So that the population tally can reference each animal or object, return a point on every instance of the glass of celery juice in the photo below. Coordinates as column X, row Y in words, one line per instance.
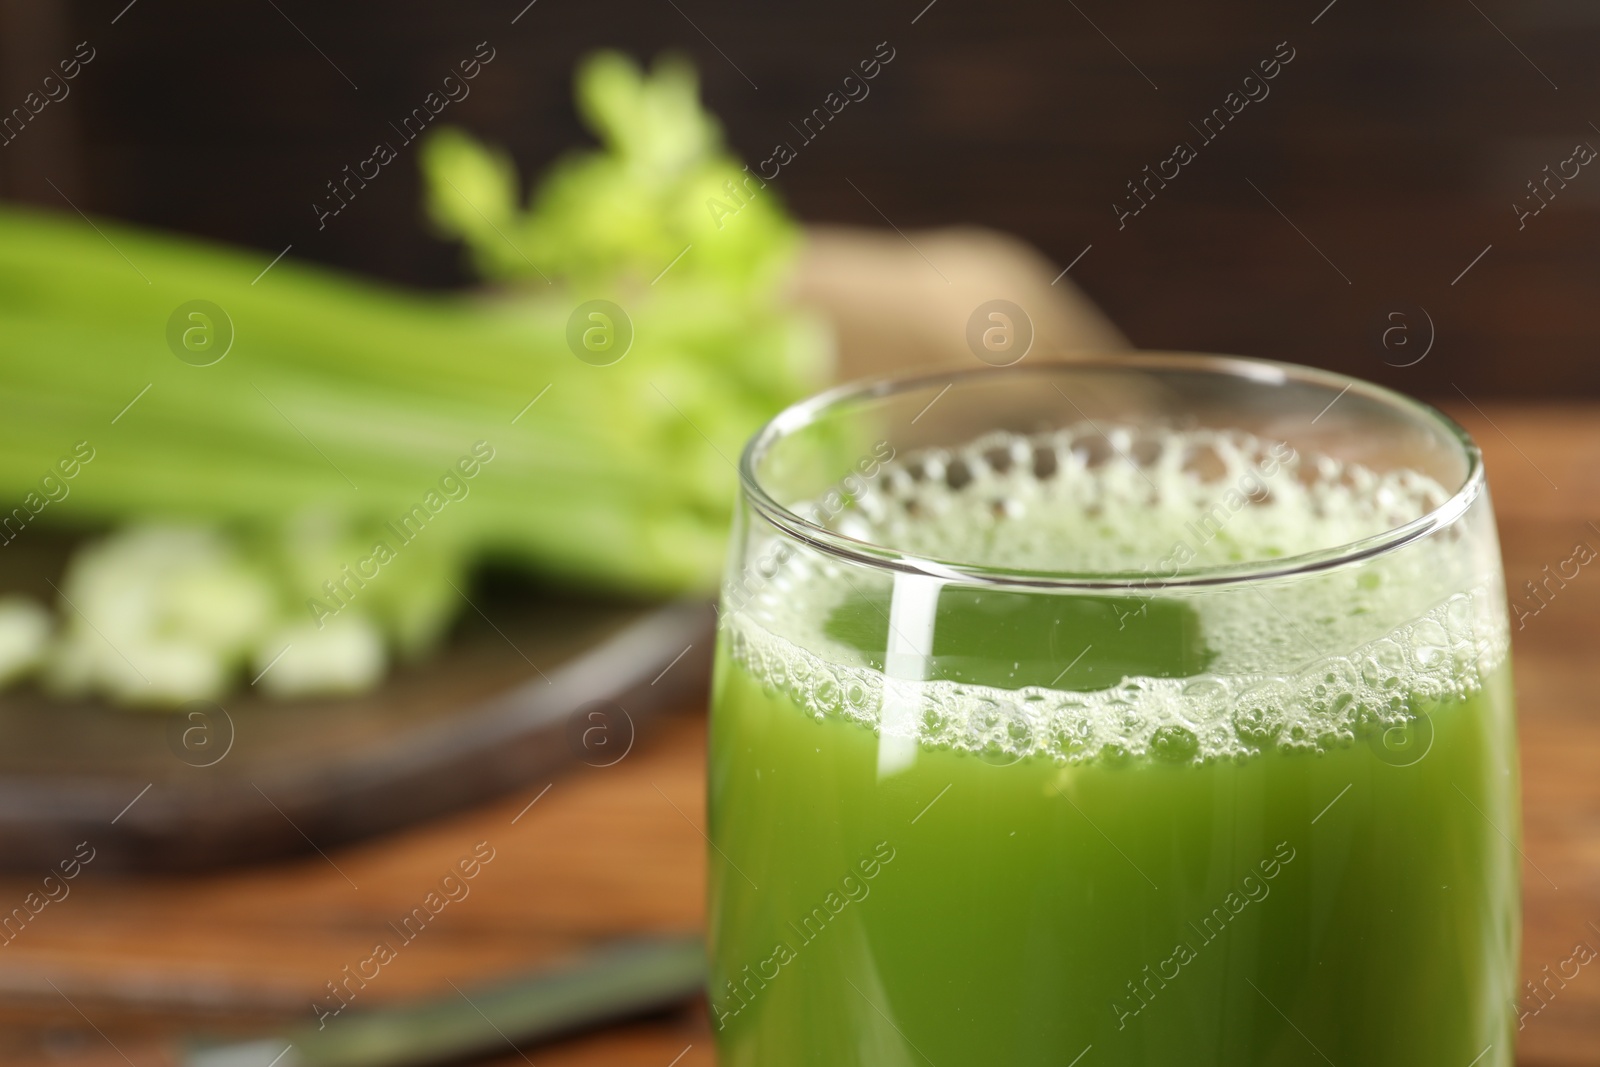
column 1146, row 711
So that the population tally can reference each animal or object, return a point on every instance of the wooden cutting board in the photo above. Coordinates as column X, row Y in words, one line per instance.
column 530, row 683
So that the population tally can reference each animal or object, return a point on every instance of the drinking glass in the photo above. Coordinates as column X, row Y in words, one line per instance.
column 1150, row 710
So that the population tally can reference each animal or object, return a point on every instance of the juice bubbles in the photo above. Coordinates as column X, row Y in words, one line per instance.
column 1263, row 821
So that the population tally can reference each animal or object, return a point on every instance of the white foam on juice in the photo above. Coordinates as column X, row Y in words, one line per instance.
column 1309, row 664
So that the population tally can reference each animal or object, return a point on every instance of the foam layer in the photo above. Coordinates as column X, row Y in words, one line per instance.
column 1129, row 500
column 1308, row 664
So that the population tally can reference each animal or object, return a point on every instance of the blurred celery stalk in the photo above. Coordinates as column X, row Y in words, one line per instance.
column 343, row 402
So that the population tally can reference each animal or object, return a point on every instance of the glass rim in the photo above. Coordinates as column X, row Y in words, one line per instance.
column 866, row 553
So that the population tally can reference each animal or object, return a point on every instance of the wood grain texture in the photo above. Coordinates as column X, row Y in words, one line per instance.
column 557, row 681
column 619, row 850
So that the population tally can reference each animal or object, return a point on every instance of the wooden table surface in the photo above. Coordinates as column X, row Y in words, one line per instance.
column 111, row 973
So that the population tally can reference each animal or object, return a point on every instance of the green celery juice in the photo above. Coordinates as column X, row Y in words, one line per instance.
column 961, row 826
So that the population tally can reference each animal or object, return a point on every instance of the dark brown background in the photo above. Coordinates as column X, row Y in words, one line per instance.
column 1397, row 141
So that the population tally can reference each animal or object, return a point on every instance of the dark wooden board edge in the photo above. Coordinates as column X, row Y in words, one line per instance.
column 495, row 746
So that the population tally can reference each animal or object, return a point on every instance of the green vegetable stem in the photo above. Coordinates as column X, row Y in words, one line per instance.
column 302, row 399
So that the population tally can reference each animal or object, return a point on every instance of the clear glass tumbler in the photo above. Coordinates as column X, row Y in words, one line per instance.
column 1146, row 711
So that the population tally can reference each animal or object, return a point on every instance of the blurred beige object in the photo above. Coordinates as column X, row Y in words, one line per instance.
column 903, row 302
